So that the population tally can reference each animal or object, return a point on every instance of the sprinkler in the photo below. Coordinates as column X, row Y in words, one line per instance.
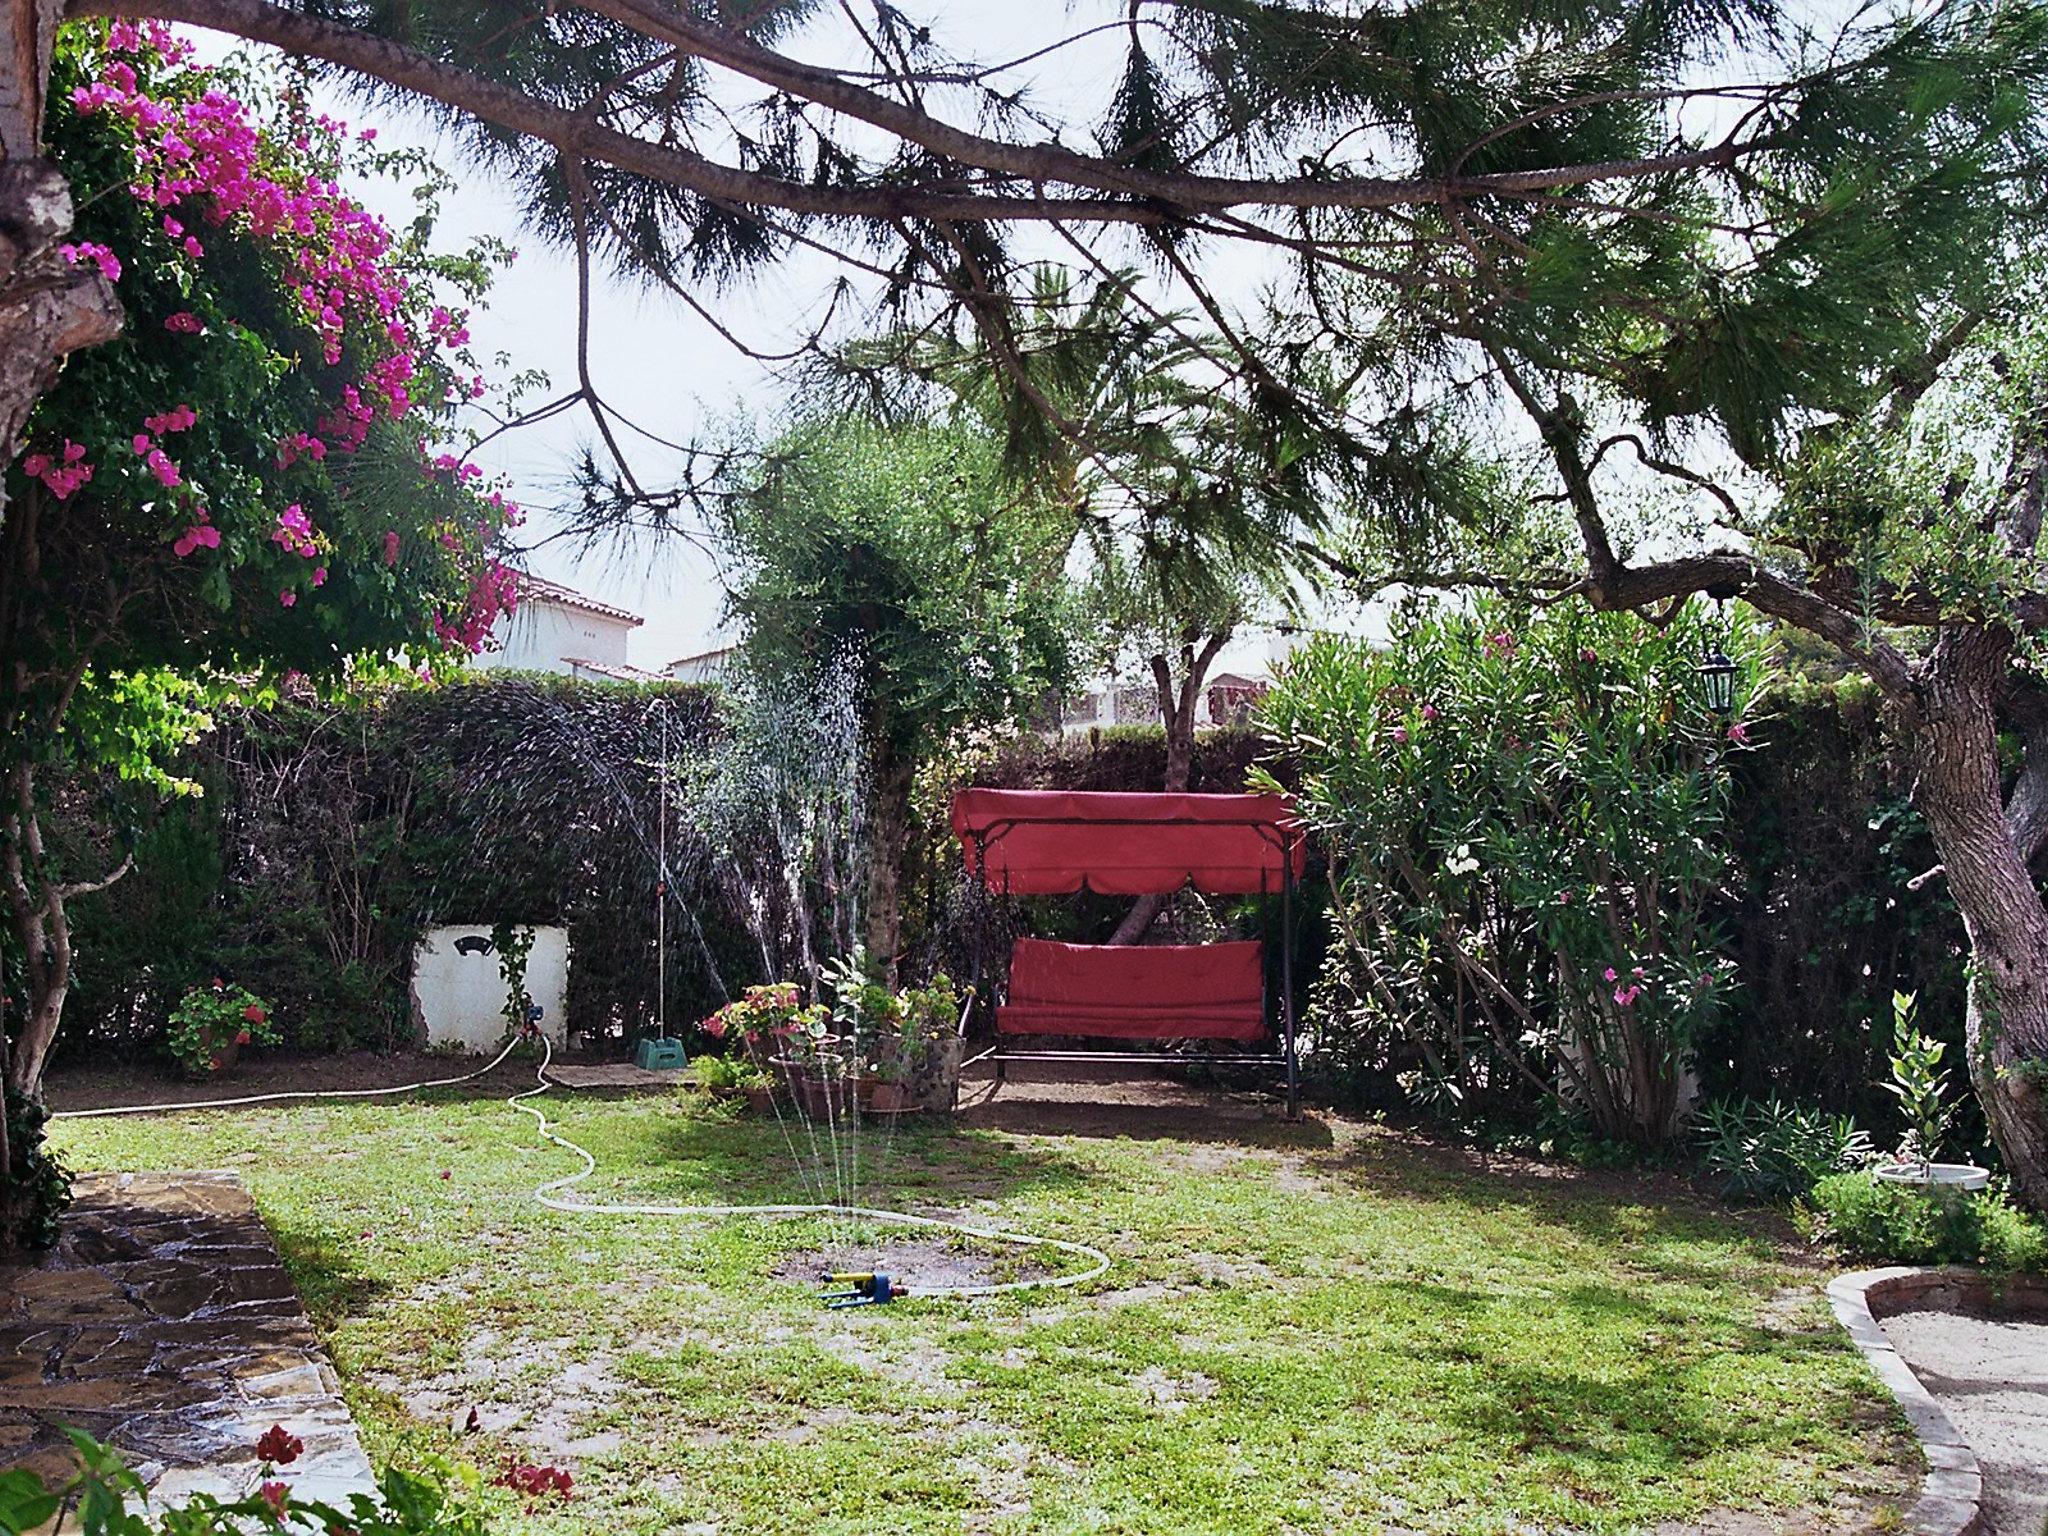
column 871, row 1288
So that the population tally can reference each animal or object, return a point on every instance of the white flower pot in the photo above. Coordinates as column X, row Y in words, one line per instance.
column 1967, row 1177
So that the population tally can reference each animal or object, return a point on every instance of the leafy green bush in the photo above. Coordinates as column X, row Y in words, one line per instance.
column 33, row 1199
column 1770, row 1150
column 1523, row 813
column 1875, row 1222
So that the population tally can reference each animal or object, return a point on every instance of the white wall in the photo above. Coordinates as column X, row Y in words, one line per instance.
column 539, row 636
column 459, row 999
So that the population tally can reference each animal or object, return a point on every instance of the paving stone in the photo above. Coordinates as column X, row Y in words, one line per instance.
column 165, row 1324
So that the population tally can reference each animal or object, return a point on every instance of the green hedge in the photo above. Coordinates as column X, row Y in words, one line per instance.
column 330, row 835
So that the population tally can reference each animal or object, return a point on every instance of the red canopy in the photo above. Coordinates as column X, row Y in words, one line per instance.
column 1053, row 842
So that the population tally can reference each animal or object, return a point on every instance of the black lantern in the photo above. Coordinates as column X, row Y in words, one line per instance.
column 1717, row 677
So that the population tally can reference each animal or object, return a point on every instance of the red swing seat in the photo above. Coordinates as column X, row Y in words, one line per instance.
column 1136, row 992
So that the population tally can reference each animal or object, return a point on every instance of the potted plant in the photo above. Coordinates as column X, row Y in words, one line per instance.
column 778, row 1029
column 916, row 1050
column 211, row 1024
column 1920, row 1083
column 737, row 1077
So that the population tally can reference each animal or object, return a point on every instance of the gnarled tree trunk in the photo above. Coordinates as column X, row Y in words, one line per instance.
column 1955, row 747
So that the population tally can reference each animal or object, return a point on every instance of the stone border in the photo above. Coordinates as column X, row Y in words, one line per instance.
column 1953, row 1489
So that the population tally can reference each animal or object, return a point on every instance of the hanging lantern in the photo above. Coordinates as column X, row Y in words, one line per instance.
column 1717, row 679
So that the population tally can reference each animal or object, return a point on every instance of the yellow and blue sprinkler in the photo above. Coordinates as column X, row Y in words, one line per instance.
column 870, row 1288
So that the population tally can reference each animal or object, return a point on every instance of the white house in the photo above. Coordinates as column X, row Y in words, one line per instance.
column 702, row 667
column 558, row 629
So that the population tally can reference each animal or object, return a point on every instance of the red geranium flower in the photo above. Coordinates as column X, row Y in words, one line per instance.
column 253, row 1013
column 279, row 1446
column 241, row 1037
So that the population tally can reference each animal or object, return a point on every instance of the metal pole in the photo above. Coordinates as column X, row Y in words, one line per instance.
column 661, row 890
column 1287, row 975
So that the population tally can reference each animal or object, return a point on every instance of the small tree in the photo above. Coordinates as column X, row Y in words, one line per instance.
column 903, row 555
column 1522, row 813
column 243, row 484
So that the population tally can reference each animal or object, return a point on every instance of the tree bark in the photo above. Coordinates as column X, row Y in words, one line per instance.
column 888, row 839
column 1177, row 713
column 1955, row 748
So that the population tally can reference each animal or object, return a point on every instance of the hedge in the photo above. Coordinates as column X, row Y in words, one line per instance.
column 331, row 835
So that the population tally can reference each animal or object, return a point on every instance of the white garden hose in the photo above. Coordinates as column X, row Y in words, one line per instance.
column 275, row 1098
column 550, row 1194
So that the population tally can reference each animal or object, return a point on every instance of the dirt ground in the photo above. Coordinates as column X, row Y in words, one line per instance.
column 1990, row 1375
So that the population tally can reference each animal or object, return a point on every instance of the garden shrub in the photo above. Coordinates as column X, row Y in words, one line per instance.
column 1524, row 817
column 1771, row 1150
column 1873, row 1222
column 1822, row 923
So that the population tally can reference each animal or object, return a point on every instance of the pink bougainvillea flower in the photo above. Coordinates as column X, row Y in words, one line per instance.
column 288, row 599
column 141, row 443
column 1739, row 734
column 184, row 323
column 92, row 251
column 391, row 547
column 320, row 576
column 1588, row 655
column 165, row 471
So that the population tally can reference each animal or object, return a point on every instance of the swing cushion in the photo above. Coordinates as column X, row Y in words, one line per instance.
column 1136, row 992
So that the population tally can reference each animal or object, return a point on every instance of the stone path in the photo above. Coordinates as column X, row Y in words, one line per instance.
column 164, row 1323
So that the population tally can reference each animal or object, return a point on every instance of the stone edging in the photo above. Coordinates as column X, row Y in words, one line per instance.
column 1953, row 1489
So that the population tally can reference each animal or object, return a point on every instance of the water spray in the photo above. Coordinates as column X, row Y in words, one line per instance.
column 661, row 1054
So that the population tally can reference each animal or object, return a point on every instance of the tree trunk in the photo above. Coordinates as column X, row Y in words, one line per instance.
column 1177, row 713
column 888, row 838
column 2006, row 1027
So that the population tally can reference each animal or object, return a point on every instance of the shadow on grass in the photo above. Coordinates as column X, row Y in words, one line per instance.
column 328, row 1271
column 758, row 1160
column 1605, row 1205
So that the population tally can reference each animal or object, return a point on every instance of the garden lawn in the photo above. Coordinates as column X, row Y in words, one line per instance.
column 1307, row 1328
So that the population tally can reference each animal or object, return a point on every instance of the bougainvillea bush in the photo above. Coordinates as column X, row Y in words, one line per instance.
column 1523, row 815
column 256, row 478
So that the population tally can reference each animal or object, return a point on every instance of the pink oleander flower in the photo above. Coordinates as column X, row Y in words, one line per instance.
column 1626, row 996
column 1501, row 643
column 1739, row 734
column 1401, row 733
column 1429, row 712
column 1610, row 974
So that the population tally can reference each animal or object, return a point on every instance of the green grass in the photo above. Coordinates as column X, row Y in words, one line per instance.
column 1319, row 1333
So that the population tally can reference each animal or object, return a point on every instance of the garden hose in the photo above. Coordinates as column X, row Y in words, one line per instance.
column 552, row 1194
column 301, row 1093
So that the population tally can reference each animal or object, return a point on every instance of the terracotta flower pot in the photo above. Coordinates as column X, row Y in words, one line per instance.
column 890, row 1099
column 760, row 1098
